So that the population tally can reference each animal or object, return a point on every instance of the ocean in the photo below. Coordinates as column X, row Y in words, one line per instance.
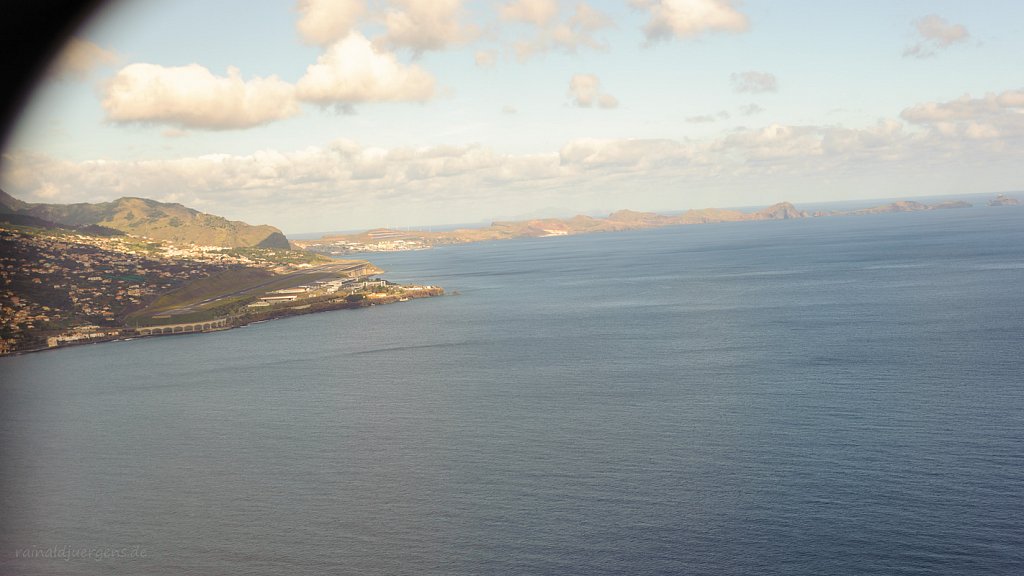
column 824, row 396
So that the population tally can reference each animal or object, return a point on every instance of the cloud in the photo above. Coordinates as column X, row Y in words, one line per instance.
column 624, row 156
column 884, row 140
column 686, row 19
column 425, row 25
column 323, row 22
column 352, row 186
column 47, row 191
column 991, row 117
column 343, row 179
column 777, row 141
column 338, row 180
column 936, row 33
column 552, row 34
column 353, row 71
column 938, row 30
column 754, row 82
column 193, row 97
column 587, row 18
column 350, row 71
column 79, row 58
column 585, row 91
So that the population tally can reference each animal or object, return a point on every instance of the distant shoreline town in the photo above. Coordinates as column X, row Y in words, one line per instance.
column 393, row 240
column 139, row 268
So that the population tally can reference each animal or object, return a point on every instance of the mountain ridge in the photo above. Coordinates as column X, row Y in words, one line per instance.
column 617, row 221
column 387, row 240
column 148, row 218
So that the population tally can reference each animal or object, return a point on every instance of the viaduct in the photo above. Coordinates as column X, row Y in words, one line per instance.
column 183, row 328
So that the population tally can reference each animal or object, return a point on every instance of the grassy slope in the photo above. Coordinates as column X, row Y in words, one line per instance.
column 152, row 219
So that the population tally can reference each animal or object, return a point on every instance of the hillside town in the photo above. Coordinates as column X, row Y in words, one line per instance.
column 52, row 282
column 59, row 287
column 379, row 240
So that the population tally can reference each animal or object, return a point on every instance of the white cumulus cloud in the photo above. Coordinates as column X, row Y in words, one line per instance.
column 549, row 32
column 993, row 116
column 322, row 22
column 425, row 24
column 585, row 92
column 193, row 97
column 935, row 34
column 777, row 141
column 629, row 155
column 884, row 140
column 353, row 71
column 691, row 18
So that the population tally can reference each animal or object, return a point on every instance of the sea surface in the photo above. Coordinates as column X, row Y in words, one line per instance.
column 826, row 396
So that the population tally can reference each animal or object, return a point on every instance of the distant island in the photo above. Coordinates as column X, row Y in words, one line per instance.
column 387, row 240
column 82, row 273
column 1003, row 200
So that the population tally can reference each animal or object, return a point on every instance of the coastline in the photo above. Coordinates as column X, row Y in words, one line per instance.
column 242, row 320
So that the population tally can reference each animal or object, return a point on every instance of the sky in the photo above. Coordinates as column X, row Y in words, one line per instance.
column 318, row 115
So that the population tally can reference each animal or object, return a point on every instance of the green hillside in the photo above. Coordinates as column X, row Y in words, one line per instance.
column 152, row 219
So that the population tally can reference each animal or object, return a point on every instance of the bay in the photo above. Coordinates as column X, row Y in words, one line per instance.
column 838, row 395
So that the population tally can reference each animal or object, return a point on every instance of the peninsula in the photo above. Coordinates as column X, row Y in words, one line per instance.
column 387, row 240
column 67, row 283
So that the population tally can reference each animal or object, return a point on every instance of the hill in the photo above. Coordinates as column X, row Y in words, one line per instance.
column 387, row 240
column 1003, row 200
column 148, row 218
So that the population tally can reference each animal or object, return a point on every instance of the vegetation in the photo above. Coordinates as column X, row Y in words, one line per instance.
column 279, row 256
column 149, row 218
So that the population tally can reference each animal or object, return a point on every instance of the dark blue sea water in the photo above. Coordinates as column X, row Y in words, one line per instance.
column 826, row 396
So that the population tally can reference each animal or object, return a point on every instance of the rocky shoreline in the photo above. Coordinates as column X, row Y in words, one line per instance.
column 241, row 320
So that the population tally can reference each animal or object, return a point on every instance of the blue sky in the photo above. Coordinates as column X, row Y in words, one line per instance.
column 328, row 114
